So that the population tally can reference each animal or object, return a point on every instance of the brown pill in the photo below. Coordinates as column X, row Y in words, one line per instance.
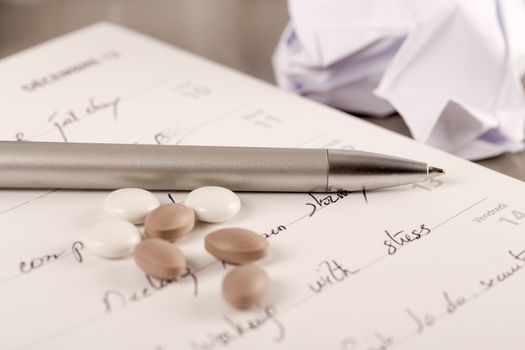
column 170, row 221
column 160, row 259
column 236, row 245
column 245, row 285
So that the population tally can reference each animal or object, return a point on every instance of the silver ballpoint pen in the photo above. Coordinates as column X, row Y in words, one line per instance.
column 154, row 167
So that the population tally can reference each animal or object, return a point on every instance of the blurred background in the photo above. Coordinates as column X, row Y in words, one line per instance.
column 241, row 34
column 238, row 33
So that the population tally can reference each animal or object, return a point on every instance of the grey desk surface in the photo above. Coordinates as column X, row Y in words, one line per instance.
column 238, row 33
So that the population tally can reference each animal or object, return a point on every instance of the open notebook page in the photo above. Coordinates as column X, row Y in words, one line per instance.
column 439, row 264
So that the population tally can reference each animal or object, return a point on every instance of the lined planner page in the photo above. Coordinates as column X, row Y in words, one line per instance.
column 439, row 264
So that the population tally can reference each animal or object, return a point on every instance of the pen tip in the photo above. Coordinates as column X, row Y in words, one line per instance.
column 433, row 171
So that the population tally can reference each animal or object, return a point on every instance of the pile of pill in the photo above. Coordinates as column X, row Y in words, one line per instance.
column 159, row 257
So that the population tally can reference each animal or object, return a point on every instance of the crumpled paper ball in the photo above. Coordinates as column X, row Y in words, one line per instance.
column 452, row 69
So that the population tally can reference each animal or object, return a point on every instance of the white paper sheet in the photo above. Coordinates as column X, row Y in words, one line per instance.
column 452, row 69
column 435, row 265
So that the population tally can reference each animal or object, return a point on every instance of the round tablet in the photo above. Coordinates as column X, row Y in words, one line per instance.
column 160, row 259
column 236, row 245
column 244, row 286
column 112, row 238
column 169, row 221
column 213, row 203
column 130, row 204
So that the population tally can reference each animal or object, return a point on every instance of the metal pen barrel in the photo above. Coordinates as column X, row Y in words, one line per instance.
column 112, row 166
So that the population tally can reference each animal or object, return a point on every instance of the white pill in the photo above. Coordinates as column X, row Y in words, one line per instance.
column 113, row 238
column 130, row 204
column 213, row 203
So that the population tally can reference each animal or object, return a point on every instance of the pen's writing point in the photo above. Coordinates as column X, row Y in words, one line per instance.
column 433, row 171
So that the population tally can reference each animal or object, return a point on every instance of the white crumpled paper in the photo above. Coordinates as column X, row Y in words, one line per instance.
column 452, row 69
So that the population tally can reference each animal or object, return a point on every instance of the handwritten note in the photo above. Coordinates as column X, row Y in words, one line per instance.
column 440, row 264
